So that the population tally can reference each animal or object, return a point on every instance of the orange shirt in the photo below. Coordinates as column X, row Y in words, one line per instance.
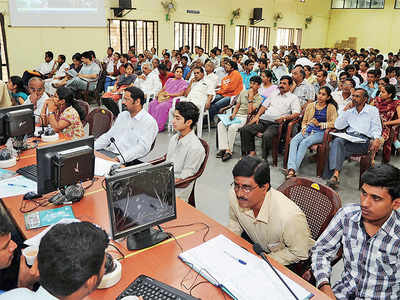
column 232, row 84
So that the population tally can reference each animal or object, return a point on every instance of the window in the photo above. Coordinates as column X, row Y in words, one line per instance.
column 397, row 4
column 287, row 36
column 240, row 36
column 5, row 72
column 192, row 34
column 359, row 3
column 258, row 36
column 125, row 33
column 218, row 35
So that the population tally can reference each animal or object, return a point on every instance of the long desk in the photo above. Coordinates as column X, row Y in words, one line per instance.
column 161, row 261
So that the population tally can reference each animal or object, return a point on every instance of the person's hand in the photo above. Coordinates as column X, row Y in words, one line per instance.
column 207, row 106
column 303, row 131
column 116, row 159
column 348, row 106
column 256, row 119
column 231, row 117
column 143, row 77
column 27, row 277
column 326, row 289
column 280, row 120
column 375, row 145
column 314, row 121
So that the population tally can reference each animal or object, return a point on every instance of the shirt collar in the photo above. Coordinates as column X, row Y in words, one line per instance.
column 43, row 293
column 264, row 213
column 186, row 139
column 139, row 115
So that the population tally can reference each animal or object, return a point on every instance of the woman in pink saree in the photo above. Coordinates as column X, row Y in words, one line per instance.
column 159, row 107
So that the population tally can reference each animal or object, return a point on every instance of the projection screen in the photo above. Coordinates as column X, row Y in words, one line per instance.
column 62, row 13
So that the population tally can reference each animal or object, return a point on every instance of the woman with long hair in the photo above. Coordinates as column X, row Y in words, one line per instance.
column 64, row 114
column 17, row 90
column 318, row 116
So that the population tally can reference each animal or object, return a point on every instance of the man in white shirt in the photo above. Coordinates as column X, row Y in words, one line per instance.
column 220, row 71
column 198, row 92
column 133, row 132
column 43, row 69
column 59, row 70
column 212, row 80
column 109, row 57
column 37, row 95
column 148, row 82
column 66, row 272
column 343, row 97
column 185, row 149
column 280, row 107
column 200, row 56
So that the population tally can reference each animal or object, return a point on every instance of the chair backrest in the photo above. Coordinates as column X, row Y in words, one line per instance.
column 204, row 163
column 100, row 121
column 86, row 107
column 318, row 202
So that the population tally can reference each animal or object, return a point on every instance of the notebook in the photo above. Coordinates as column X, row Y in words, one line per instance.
column 48, row 217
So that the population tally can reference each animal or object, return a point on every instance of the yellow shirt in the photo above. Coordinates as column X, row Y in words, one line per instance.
column 280, row 226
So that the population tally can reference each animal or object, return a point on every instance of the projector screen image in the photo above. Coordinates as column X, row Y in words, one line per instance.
column 65, row 13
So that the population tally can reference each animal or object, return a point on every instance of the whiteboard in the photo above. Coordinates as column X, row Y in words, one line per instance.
column 60, row 13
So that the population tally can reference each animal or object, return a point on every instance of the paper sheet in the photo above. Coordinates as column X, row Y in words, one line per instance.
column 348, row 137
column 225, row 119
column 255, row 280
column 102, row 166
column 17, row 185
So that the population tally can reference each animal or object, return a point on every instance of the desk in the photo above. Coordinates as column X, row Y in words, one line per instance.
column 160, row 262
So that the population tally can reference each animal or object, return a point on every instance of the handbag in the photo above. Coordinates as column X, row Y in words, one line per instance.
column 162, row 97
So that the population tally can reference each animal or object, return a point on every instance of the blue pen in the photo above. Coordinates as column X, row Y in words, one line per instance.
column 235, row 258
column 18, row 185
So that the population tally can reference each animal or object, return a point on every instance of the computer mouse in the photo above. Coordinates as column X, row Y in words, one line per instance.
column 31, row 195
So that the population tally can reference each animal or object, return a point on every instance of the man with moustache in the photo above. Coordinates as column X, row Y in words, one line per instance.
column 266, row 215
column 369, row 233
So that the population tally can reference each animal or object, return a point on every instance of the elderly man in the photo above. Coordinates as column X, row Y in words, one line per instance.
column 212, row 80
column 199, row 92
column 301, row 88
column 37, row 95
column 148, row 82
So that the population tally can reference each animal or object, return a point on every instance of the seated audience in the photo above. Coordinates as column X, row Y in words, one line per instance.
column 199, row 92
column 232, row 85
column 247, row 103
column 370, row 84
column 109, row 58
column 301, row 88
column 17, row 90
column 185, row 149
column 167, row 61
column 220, row 71
column 267, row 88
column 76, row 62
column 281, row 106
column 133, row 132
column 322, row 76
column 266, row 215
column 42, row 71
column 389, row 111
column 113, row 70
column 368, row 233
column 71, row 262
column 148, row 82
column 37, row 95
column 318, row 116
column 343, row 97
column 58, row 73
column 211, row 78
column 160, row 106
column 360, row 120
column 248, row 73
column 164, row 74
column 64, row 114
column 310, row 77
column 278, row 68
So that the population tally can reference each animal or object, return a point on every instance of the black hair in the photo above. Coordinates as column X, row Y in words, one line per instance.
column 128, row 64
column 162, row 67
column 63, row 58
column 303, row 73
column 188, row 111
column 385, row 79
column 330, row 98
column 365, row 93
column 197, row 68
column 117, row 54
column 179, row 67
column 16, row 80
column 373, row 72
column 250, row 166
column 167, row 54
column 112, row 49
column 5, row 226
column 263, row 60
column 77, row 56
column 318, row 65
column 125, row 56
column 92, row 53
column 185, row 57
column 308, row 68
column 65, row 93
column 256, row 79
column 49, row 54
column 268, row 73
column 87, row 55
column 69, row 254
column 366, row 63
column 247, row 62
column 288, row 78
column 349, row 67
column 351, row 80
column 391, row 90
column 386, row 176
column 327, row 65
column 233, row 64
column 136, row 93
column 324, row 73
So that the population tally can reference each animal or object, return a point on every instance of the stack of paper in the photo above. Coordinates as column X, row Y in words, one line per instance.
column 17, row 185
column 225, row 119
column 102, row 166
column 217, row 260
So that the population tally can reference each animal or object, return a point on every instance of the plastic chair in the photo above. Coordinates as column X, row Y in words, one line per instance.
column 86, row 107
column 100, row 121
column 184, row 183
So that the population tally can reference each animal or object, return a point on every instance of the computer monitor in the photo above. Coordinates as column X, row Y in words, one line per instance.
column 16, row 121
column 138, row 199
column 63, row 164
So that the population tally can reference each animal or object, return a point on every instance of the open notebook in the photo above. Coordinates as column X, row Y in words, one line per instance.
column 217, row 260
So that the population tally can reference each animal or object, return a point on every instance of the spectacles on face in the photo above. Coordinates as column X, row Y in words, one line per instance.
column 245, row 188
column 36, row 90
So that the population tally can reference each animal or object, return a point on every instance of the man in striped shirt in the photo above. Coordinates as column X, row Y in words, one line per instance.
column 369, row 233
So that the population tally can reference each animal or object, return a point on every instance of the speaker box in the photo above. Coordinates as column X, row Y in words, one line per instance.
column 125, row 3
column 257, row 13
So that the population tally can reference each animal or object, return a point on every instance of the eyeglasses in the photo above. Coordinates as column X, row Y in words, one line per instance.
column 245, row 188
column 36, row 90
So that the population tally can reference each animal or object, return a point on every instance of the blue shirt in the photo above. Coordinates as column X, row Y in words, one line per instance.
column 367, row 122
column 186, row 71
column 320, row 116
column 371, row 91
column 246, row 78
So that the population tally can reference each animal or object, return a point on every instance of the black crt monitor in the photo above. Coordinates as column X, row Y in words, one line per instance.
column 16, row 121
column 63, row 164
column 140, row 197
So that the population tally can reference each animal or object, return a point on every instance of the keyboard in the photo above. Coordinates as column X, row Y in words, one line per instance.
column 29, row 172
column 151, row 289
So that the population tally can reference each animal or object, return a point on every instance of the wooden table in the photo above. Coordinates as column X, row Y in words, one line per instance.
column 161, row 261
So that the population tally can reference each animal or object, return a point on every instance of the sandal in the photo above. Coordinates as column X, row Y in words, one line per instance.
column 227, row 156
column 291, row 174
column 333, row 182
column 220, row 154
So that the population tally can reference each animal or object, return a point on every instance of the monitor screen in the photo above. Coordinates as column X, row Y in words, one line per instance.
column 64, row 164
column 16, row 112
column 141, row 198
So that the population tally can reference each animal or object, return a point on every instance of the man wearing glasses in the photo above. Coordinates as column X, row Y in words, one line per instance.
column 266, row 215
column 37, row 95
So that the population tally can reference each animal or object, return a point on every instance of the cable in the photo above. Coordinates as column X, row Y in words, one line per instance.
column 192, row 224
column 120, row 252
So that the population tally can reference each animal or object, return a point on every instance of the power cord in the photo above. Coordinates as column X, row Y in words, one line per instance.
column 206, row 226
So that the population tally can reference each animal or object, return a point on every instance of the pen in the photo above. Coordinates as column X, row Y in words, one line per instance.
column 18, row 185
column 235, row 258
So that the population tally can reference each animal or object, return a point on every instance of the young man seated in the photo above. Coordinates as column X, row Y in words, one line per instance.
column 133, row 132
column 185, row 149
column 369, row 233
column 42, row 70
column 267, row 216
column 71, row 263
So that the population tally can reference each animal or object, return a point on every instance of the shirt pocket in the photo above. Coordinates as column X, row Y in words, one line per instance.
column 389, row 264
